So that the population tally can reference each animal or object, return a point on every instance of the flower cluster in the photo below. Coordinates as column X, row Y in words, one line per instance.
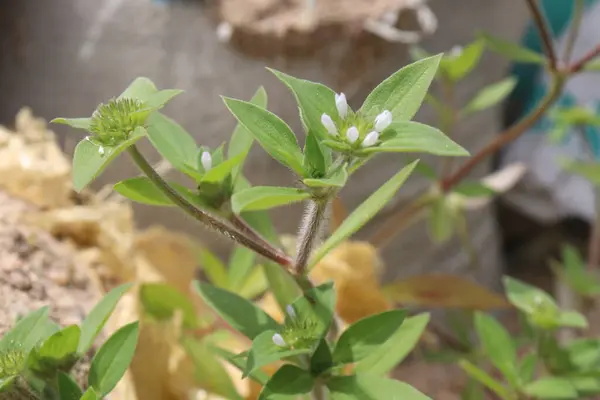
column 298, row 333
column 382, row 121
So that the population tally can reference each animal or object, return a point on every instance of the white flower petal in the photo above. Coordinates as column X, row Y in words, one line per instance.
column 329, row 124
column 341, row 104
column 383, row 120
column 278, row 340
column 352, row 134
column 206, row 160
column 290, row 311
column 370, row 139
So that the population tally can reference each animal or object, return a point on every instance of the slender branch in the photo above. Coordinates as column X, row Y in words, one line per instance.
column 542, row 26
column 580, row 64
column 508, row 136
column 210, row 221
column 573, row 31
column 309, row 232
column 243, row 226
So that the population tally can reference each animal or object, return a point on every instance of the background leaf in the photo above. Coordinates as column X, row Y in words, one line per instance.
column 459, row 67
column 443, row 290
column 238, row 312
column 490, row 95
column 240, row 265
column 273, row 134
column 366, row 335
column 497, row 345
column 513, row 51
column 363, row 213
column 113, row 358
column 551, row 388
column 485, row 379
column 403, row 92
column 161, row 301
column 27, row 332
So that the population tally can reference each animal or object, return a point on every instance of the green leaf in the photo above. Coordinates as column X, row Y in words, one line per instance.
column 485, row 379
column 490, row 95
column 593, row 65
column 403, row 92
column 77, row 123
column 67, row 387
column 584, row 354
column 241, row 140
column 6, row 384
column 314, row 100
column 317, row 306
column 474, row 189
column 27, row 332
column 238, row 312
column 513, row 51
column 363, row 213
column 441, row 220
column 161, row 301
column 414, row 137
column 572, row 319
column 371, row 387
column 337, row 179
column 322, row 358
column 459, row 67
column 574, row 272
column 220, row 172
column 210, row 373
column 288, row 382
column 589, row 170
column 60, row 347
column 90, row 394
column 585, row 386
column 527, row 368
column 240, row 265
column 254, row 284
column 366, row 335
column 112, row 359
column 551, row 388
column 532, row 301
column 142, row 190
column 258, row 375
column 264, row 352
column 95, row 320
column 497, row 345
column 265, row 197
column 314, row 160
column 273, row 134
column 173, row 143
column 140, row 89
column 89, row 160
column 214, row 268
column 162, row 97
column 391, row 353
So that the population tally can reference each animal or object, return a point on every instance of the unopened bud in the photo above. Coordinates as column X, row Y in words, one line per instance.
column 206, row 160
column 341, row 104
column 370, row 139
column 329, row 124
column 290, row 311
column 383, row 120
column 352, row 134
column 278, row 340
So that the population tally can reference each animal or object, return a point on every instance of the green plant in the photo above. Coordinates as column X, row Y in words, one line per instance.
column 37, row 357
column 338, row 142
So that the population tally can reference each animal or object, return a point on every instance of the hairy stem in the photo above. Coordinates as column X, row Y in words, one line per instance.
column 309, row 233
column 208, row 220
column 542, row 26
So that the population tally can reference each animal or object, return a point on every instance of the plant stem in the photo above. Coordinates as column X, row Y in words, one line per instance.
column 542, row 26
column 308, row 234
column 580, row 64
column 594, row 243
column 573, row 31
column 208, row 220
column 243, row 226
column 318, row 392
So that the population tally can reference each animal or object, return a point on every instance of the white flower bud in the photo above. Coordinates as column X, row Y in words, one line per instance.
column 101, row 150
column 352, row 134
column 206, row 160
column 341, row 104
column 290, row 311
column 383, row 120
column 329, row 124
column 370, row 139
column 278, row 340
column 455, row 52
